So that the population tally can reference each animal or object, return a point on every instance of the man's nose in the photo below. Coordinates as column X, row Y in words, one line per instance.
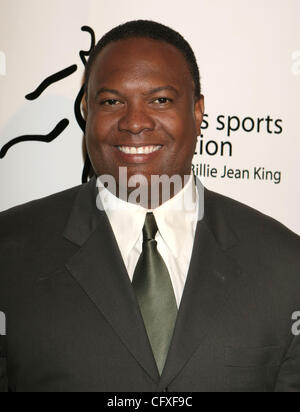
column 136, row 120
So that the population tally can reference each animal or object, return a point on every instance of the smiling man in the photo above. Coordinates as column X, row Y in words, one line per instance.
column 142, row 279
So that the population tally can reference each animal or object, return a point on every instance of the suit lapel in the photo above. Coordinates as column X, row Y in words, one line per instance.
column 99, row 269
column 210, row 280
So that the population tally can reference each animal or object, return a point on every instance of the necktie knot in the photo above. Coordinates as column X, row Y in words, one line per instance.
column 150, row 228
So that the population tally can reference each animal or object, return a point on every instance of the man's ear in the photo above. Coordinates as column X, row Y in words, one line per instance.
column 199, row 113
column 84, row 107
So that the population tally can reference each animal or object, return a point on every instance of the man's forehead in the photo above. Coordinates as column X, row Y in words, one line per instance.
column 138, row 50
column 140, row 56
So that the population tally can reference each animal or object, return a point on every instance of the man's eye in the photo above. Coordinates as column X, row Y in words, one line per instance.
column 110, row 102
column 162, row 100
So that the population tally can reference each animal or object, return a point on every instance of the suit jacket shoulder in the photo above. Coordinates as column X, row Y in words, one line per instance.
column 31, row 238
column 37, row 214
column 258, row 232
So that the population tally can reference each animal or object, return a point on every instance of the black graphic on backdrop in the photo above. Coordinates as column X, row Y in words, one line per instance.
column 63, row 124
column 51, row 80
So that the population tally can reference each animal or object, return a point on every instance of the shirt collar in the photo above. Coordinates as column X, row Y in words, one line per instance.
column 175, row 218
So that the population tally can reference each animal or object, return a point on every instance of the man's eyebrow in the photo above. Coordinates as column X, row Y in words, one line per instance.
column 106, row 90
column 161, row 89
column 148, row 93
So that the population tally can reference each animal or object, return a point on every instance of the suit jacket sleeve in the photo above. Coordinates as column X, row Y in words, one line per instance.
column 3, row 368
column 289, row 376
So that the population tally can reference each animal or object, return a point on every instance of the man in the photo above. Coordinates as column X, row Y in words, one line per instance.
column 107, row 290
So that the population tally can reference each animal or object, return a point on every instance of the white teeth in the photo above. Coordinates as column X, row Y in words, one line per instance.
column 132, row 150
column 139, row 150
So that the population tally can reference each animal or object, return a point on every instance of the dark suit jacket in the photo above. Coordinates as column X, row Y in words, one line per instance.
column 73, row 323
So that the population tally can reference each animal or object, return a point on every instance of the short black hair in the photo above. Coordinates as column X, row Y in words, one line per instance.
column 152, row 30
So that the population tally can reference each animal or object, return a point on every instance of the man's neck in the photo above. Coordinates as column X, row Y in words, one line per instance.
column 151, row 196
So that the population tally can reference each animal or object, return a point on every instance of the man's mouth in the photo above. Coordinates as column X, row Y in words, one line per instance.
column 139, row 150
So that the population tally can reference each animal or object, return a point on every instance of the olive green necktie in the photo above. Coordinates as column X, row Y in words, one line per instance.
column 154, row 291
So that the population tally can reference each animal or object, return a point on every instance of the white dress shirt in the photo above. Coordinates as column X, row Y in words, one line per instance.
column 176, row 230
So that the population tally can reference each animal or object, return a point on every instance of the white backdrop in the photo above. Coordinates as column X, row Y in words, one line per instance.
column 249, row 58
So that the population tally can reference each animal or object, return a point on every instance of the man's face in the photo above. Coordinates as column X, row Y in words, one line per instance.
column 140, row 94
